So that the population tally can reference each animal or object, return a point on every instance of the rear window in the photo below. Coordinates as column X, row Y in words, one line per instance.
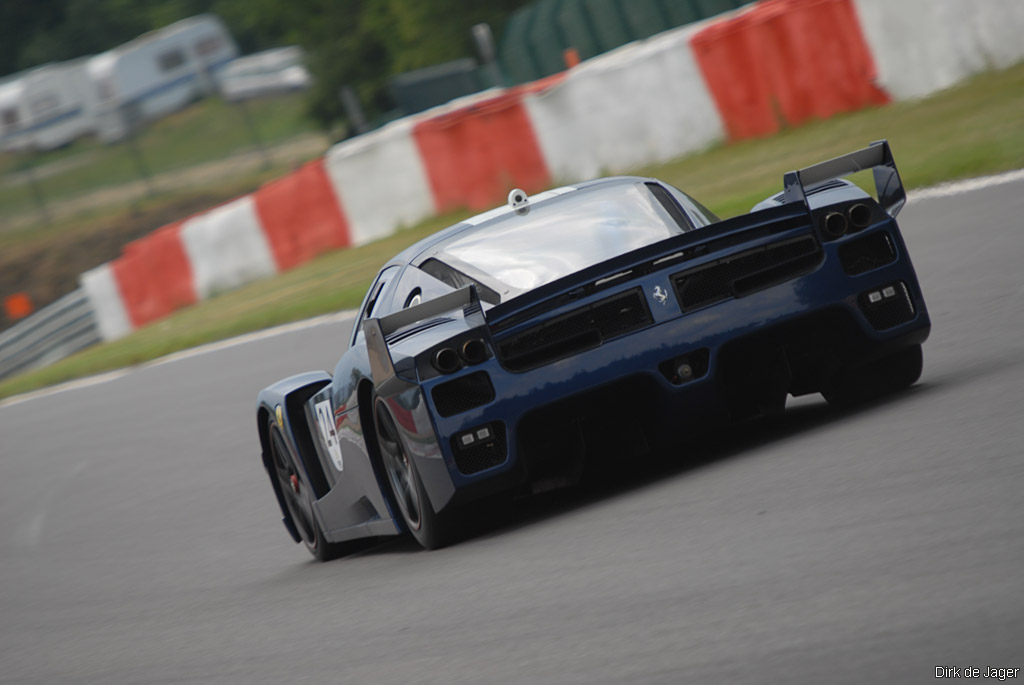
column 554, row 239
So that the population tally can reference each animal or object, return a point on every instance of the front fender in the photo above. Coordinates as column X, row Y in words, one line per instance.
column 278, row 403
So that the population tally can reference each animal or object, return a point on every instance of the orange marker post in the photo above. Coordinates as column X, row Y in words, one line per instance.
column 18, row 306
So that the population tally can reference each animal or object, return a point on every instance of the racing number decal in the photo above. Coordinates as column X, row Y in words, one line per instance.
column 325, row 420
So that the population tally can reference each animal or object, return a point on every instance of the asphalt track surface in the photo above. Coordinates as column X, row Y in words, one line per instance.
column 139, row 541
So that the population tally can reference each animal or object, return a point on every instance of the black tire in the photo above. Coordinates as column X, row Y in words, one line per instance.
column 890, row 374
column 298, row 498
column 430, row 529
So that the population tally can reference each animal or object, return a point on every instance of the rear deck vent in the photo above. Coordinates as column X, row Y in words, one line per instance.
column 576, row 331
column 745, row 273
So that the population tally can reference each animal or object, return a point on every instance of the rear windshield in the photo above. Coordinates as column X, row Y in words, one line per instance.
column 557, row 238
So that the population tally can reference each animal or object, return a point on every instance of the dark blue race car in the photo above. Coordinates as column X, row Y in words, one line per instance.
column 593, row 322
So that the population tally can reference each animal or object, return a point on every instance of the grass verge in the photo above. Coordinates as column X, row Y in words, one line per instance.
column 966, row 131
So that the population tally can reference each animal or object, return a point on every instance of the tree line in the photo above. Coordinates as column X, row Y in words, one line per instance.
column 361, row 43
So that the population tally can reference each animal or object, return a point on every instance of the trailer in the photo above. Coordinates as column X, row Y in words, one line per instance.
column 47, row 107
column 158, row 73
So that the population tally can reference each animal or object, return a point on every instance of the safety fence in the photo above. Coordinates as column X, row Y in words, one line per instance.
column 52, row 333
column 744, row 73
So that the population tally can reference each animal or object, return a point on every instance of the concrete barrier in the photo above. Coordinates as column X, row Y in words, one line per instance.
column 642, row 103
column 227, row 248
column 154, row 276
column 922, row 46
column 380, row 181
column 104, row 296
column 300, row 216
column 474, row 155
column 786, row 61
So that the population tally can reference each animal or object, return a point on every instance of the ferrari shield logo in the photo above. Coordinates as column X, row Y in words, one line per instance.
column 660, row 295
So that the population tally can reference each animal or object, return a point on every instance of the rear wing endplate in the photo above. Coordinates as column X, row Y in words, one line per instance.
column 877, row 157
column 386, row 380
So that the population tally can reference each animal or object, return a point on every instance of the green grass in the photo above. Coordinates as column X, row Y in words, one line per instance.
column 967, row 131
column 209, row 130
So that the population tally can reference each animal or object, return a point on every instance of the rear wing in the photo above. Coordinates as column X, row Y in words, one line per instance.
column 386, row 380
column 877, row 157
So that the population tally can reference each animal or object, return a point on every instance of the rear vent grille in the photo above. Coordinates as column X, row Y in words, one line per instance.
column 576, row 331
column 867, row 253
column 745, row 273
column 482, row 455
column 462, row 394
column 889, row 312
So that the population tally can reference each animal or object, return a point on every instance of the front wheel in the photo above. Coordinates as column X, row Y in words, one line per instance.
column 430, row 529
column 298, row 499
column 895, row 372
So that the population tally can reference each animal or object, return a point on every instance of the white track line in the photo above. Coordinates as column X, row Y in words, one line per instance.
column 965, row 186
column 64, row 387
column 256, row 335
column 940, row 190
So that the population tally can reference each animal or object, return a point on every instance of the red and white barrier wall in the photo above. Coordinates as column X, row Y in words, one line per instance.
column 645, row 102
column 739, row 75
column 381, row 181
column 922, row 46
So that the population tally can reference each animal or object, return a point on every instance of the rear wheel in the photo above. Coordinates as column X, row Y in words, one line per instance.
column 298, row 499
column 430, row 529
column 898, row 371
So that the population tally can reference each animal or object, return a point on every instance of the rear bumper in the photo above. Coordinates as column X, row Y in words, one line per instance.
column 619, row 381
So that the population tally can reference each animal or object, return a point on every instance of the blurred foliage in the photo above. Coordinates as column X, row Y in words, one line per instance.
column 347, row 42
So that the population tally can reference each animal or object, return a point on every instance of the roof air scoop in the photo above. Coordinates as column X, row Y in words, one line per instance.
column 519, row 201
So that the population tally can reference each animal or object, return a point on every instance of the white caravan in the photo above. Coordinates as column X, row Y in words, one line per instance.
column 46, row 107
column 158, row 73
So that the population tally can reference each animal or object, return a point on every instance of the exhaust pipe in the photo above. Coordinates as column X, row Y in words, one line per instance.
column 860, row 215
column 446, row 360
column 474, row 351
column 834, row 224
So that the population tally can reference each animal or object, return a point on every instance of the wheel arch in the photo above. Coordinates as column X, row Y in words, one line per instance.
column 290, row 396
